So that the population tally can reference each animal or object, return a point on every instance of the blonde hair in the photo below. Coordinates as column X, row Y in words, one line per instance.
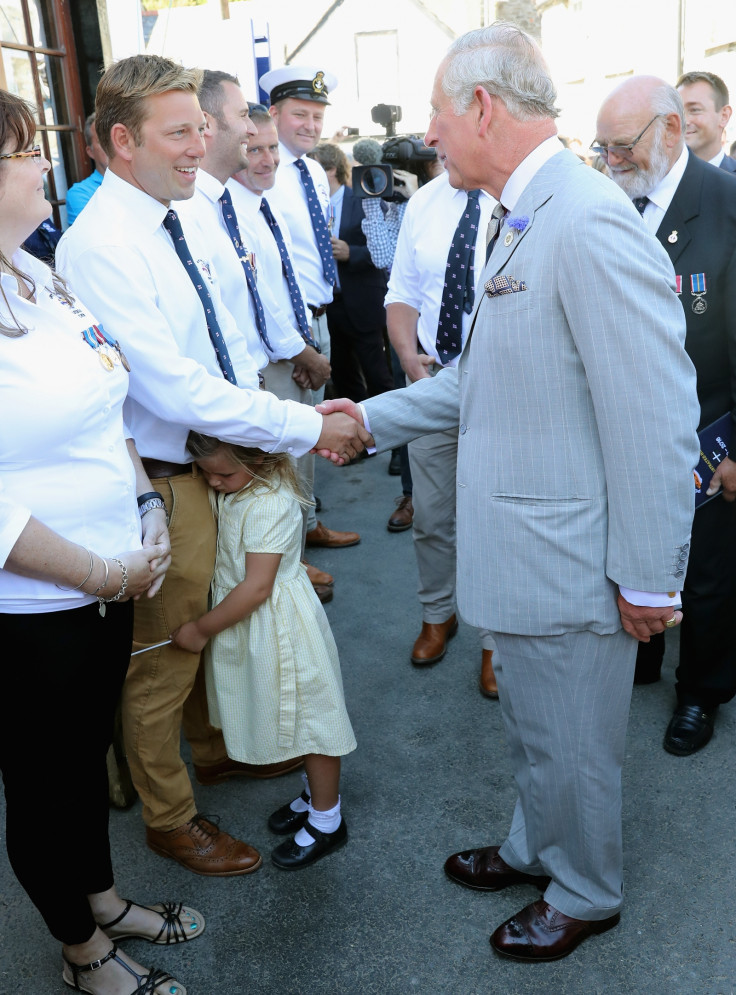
column 122, row 92
column 17, row 130
column 273, row 470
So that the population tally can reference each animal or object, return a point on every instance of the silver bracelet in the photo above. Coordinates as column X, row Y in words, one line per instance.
column 89, row 574
column 104, row 602
column 104, row 583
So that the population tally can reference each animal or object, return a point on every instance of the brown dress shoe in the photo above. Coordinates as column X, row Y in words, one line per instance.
column 322, row 536
column 431, row 645
column 227, row 768
column 201, row 847
column 539, row 932
column 484, row 870
column 402, row 518
column 487, row 679
column 324, row 593
column 318, row 576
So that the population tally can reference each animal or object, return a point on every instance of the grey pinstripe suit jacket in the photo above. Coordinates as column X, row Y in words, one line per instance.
column 577, row 410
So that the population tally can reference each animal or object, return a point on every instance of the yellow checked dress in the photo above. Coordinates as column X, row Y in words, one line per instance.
column 273, row 680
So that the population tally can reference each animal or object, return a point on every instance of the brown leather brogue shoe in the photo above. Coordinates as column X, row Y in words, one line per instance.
column 201, row 847
column 484, row 870
column 317, row 576
column 431, row 644
column 539, row 932
column 487, row 679
column 322, row 536
column 402, row 518
column 217, row 773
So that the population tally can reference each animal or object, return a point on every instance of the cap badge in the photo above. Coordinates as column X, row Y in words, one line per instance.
column 318, row 83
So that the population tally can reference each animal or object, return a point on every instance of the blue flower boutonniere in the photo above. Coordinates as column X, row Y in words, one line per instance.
column 519, row 224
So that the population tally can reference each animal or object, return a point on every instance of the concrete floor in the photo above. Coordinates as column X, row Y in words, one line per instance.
column 430, row 776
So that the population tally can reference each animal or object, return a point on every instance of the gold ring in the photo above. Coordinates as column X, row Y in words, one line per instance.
column 671, row 622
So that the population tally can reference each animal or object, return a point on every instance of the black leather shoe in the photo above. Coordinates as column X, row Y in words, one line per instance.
column 689, row 730
column 289, row 856
column 286, row 820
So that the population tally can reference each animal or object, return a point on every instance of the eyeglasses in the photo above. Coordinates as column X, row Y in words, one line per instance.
column 34, row 153
column 621, row 150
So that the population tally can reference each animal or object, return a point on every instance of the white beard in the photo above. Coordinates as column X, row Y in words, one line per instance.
column 638, row 182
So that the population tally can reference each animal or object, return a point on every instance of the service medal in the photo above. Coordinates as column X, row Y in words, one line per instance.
column 698, row 289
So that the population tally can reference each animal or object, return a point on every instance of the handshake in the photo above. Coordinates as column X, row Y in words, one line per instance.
column 343, row 433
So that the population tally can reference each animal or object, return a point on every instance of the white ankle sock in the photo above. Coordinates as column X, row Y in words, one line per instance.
column 299, row 804
column 326, row 822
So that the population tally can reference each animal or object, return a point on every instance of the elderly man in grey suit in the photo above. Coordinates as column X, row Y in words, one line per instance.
column 577, row 412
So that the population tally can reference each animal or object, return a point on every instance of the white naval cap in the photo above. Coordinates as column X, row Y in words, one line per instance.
column 302, row 82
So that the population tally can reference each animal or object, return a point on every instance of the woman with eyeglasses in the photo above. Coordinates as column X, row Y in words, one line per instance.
column 74, row 551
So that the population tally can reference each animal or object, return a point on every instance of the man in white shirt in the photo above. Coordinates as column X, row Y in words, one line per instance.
column 284, row 303
column 707, row 112
column 413, row 306
column 190, row 368
column 298, row 96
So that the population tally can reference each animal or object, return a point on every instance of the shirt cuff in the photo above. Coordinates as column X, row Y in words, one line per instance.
column 647, row 600
column 367, row 425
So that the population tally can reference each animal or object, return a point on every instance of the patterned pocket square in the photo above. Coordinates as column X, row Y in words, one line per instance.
column 503, row 285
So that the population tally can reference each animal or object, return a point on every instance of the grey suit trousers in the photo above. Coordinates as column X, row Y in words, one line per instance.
column 565, row 703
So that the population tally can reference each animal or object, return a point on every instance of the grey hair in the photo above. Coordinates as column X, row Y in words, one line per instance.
column 506, row 62
column 666, row 100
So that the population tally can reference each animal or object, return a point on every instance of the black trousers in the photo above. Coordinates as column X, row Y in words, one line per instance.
column 706, row 674
column 360, row 366
column 62, row 677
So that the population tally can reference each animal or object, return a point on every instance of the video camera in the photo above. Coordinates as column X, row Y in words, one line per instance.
column 399, row 152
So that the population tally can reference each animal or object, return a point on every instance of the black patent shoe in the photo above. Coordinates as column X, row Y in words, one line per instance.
column 690, row 729
column 286, row 820
column 290, row 856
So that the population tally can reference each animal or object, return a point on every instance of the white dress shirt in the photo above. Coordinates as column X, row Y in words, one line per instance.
column 272, row 285
column 418, row 272
column 717, row 159
column 206, row 210
column 289, row 196
column 122, row 261
column 661, row 197
column 63, row 457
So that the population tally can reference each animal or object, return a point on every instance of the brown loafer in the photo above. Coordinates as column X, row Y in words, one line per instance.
column 318, row 576
column 402, row 518
column 324, row 593
column 228, row 768
column 487, row 679
column 539, row 932
column 322, row 536
column 484, row 870
column 202, row 848
column 431, row 644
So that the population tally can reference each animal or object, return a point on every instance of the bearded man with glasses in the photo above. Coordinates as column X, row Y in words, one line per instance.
column 690, row 206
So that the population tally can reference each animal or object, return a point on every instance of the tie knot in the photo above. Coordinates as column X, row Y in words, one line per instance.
column 226, row 199
column 473, row 195
column 499, row 211
column 640, row 203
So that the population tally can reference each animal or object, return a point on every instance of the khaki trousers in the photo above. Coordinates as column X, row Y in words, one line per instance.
column 164, row 687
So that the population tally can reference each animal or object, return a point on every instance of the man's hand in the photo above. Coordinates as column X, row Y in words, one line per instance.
column 405, row 183
column 641, row 622
column 314, row 368
column 724, row 477
column 340, row 249
column 343, row 436
column 417, row 365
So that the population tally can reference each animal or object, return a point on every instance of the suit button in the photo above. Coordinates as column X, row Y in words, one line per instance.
column 463, row 429
column 679, row 573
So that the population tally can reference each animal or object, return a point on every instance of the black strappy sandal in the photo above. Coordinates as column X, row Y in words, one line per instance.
column 147, row 983
column 172, row 930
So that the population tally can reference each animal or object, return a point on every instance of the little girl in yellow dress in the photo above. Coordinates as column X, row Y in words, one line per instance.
column 273, row 675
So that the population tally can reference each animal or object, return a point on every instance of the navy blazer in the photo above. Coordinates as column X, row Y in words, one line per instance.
column 698, row 233
column 363, row 285
column 728, row 164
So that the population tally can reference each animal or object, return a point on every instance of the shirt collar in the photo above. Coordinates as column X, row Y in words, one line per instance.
column 527, row 170
column 661, row 196
column 717, row 158
column 286, row 157
column 135, row 203
column 209, row 185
